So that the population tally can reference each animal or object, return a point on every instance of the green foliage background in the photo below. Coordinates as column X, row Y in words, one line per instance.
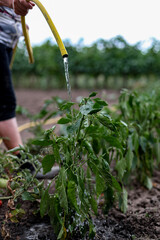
column 112, row 63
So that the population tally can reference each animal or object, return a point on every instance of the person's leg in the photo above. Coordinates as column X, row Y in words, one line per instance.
column 10, row 134
column 8, row 124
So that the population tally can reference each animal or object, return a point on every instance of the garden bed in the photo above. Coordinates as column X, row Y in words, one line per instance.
column 142, row 220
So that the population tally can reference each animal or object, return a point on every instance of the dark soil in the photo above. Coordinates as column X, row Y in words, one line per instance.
column 142, row 220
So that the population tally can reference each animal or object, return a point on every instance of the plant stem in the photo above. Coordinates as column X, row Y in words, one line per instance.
column 6, row 198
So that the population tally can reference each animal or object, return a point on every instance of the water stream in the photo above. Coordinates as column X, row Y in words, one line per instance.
column 65, row 59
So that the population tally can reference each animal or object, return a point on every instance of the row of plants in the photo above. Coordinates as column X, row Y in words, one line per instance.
column 99, row 150
column 99, row 63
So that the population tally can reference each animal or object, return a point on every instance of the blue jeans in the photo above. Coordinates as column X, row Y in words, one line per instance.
column 7, row 95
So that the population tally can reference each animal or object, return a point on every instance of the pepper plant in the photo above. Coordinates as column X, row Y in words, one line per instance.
column 89, row 142
column 141, row 111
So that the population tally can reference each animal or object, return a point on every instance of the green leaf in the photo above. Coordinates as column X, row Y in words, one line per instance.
column 18, row 211
column 90, row 107
column 92, row 166
column 148, row 183
column 47, row 163
column 71, row 192
column 96, row 145
column 61, row 189
column 116, row 185
column 124, row 200
column 16, row 214
column 105, row 165
column 56, row 150
column 61, row 233
column 133, row 142
column 121, row 167
column 91, row 152
column 75, row 126
column 81, row 179
column 66, row 106
column 43, row 142
column 93, row 204
column 143, row 143
column 26, row 196
column 72, row 176
column 100, row 186
column 86, row 109
column 92, row 230
column 88, row 180
column 113, row 141
column 93, row 94
column 106, row 121
column 106, row 176
column 63, row 197
column 123, row 123
column 100, row 102
column 129, row 159
column 44, row 204
column 64, row 120
column 109, row 198
column 55, row 213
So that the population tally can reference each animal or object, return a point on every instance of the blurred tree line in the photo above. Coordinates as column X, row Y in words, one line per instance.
column 103, row 64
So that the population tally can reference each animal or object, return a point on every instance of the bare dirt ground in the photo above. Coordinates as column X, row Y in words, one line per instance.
column 142, row 220
column 33, row 101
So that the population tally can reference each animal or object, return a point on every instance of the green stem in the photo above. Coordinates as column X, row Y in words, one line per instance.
column 6, row 198
column 79, row 129
column 28, row 185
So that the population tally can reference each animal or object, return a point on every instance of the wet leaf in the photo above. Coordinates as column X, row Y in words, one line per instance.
column 124, row 200
column 64, row 120
column 47, row 163
column 61, row 189
column 129, row 159
column 121, row 167
column 44, row 204
column 148, row 183
column 113, row 141
column 27, row 196
column 116, row 185
column 99, row 184
column 71, row 193
column 43, row 142
column 93, row 94
column 93, row 203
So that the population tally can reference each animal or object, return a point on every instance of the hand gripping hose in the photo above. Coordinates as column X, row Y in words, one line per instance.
column 52, row 27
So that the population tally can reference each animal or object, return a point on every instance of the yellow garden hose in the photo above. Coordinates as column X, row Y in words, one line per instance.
column 27, row 40
column 13, row 56
column 52, row 27
column 33, row 124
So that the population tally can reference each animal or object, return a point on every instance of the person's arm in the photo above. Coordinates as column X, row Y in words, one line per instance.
column 7, row 3
column 20, row 7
